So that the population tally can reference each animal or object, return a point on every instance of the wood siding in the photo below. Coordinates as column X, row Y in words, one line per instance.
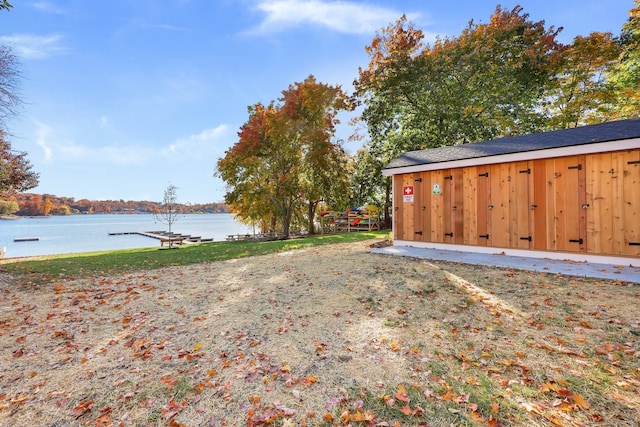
column 584, row 203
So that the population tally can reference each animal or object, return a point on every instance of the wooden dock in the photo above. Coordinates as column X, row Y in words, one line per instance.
column 166, row 237
column 26, row 239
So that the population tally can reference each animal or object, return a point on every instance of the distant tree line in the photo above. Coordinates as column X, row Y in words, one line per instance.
column 29, row 204
column 509, row 76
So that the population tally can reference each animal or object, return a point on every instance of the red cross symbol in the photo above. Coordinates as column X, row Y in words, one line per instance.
column 408, row 190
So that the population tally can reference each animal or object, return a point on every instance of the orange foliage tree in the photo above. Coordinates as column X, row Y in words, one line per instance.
column 286, row 159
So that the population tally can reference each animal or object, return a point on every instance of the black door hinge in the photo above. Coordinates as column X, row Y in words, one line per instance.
column 526, row 238
column 576, row 241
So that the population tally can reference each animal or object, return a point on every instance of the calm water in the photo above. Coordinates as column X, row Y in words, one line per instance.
column 87, row 233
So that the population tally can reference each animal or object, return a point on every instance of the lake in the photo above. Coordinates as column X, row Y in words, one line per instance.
column 88, row 233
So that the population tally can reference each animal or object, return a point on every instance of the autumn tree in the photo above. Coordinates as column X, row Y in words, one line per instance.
column 8, row 207
column 16, row 172
column 285, row 158
column 312, row 108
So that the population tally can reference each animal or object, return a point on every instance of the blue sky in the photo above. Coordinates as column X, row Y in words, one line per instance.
column 123, row 97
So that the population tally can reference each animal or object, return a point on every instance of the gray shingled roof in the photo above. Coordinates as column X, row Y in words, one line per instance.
column 603, row 132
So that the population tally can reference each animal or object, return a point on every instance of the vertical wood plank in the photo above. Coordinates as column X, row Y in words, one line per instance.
column 582, row 203
column 470, row 210
column 418, row 217
column 437, row 208
column 483, row 202
column 631, row 201
column 458, row 206
column 600, row 198
column 541, row 187
column 447, row 206
column 499, row 178
column 567, row 199
column 519, row 201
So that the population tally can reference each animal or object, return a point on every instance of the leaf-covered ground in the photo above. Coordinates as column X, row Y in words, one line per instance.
column 332, row 335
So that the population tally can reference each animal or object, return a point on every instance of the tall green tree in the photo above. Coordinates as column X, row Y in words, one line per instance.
column 625, row 75
column 483, row 84
column 487, row 82
column 286, row 160
column 312, row 108
column 579, row 93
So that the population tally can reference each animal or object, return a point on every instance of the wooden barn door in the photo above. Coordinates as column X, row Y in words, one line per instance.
column 483, row 205
column 570, row 204
column 403, row 210
column 613, row 195
column 520, row 201
column 422, row 227
column 631, row 202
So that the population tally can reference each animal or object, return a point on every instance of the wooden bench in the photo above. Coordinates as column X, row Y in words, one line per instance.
column 171, row 240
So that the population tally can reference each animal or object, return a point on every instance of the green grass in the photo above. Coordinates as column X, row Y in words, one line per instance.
column 45, row 269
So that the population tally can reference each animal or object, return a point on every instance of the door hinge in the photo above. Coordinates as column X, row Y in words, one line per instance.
column 486, row 174
column 448, row 234
column 576, row 241
column 449, row 177
column 634, row 243
column 579, row 167
column 418, row 180
column 484, row 236
column 526, row 238
column 634, row 162
column 528, row 171
column 418, row 232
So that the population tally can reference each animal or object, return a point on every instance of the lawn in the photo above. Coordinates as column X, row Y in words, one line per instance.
column 322, row 333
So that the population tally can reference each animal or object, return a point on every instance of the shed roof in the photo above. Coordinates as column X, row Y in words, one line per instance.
column 603, row 132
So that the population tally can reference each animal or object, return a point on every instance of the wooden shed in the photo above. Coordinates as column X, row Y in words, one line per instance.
column 566, row 194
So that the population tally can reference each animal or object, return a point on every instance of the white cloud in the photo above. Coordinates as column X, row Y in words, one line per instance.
column 70, row 152
column 42, row 139
column 31, row 46
column 47, row 7
column 197, row 146
column 342, row 16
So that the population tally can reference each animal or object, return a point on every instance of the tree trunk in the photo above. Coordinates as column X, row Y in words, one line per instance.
column 387, row 203
column 312, row 215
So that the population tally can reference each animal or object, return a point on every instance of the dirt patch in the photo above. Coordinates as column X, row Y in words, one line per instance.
column 331, row 335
